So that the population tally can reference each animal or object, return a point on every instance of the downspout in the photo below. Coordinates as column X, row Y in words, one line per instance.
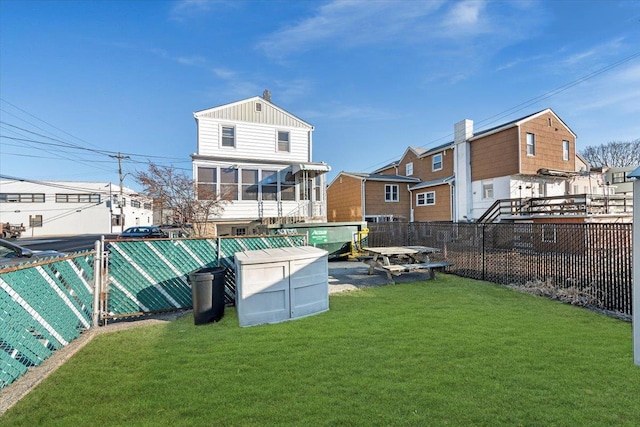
column 310, row 145
column 452, row 192
column 410, row 204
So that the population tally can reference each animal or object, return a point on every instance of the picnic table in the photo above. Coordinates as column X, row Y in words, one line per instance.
column 395, row 260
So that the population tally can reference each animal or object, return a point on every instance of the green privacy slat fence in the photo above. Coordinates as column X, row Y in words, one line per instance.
column 152, row 275
column 43, row 307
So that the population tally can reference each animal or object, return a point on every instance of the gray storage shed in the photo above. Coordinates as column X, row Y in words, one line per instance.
column 274, row 285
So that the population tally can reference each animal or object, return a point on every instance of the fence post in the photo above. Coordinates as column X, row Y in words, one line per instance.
column 97, row 265
column 484, row 256
column 635, row 302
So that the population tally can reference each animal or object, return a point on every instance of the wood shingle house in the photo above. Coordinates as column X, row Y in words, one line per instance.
column 260, row 157
column 521, row 169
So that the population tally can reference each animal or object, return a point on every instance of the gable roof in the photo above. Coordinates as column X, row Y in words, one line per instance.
column 376, row 177
column 382, row 177
column 518, row 122
column 393, row 164
column 433, row 183
column 247, row 110
column 437, row 148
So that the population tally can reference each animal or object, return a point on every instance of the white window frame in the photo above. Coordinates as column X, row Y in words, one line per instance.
column 426, row 199
column 486, row 187
column 435, row 163
column 531, row 144
column 391, row 193
column 565, row 150
column 222, row 136
column 409, row 169
column 288, row 150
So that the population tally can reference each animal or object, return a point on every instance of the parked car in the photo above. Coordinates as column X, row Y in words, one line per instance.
column 12, row 254
column 143, row 232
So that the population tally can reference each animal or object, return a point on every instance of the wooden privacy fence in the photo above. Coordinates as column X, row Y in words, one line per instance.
column 592, row 259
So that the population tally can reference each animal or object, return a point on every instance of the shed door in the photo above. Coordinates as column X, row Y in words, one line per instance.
column 309, row 286
column 264, row 293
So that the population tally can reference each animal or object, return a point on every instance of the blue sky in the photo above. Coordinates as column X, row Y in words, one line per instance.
column 373, row 77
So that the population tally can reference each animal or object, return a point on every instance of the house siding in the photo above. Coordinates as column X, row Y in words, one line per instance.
column 253, row 141
column 375, row 200
column 441, row 211
column 495, row 155
column 344, row 199
column 245, row 111
column 548, row 149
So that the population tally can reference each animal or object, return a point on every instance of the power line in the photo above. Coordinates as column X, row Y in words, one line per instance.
column 519, row 107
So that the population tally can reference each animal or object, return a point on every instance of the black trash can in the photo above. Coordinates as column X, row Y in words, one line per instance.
column 207, row 291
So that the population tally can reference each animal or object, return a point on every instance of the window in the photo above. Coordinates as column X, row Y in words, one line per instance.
column 306, row 189
column 391, row 193
column 487, row 190
column 207, row 179
column 287, row 186
column 618, row 177
column 147, row 206
column 77, row 198
column 283, row 141
column 135, row 204
column 565, row 150
column 228, row 136
column 239, row 231
column 318, row 188
column 249, row 184
column 531, row 144
column 229, row 183
column 35, row 221
column 549, row 234
column 22, row 197
column 426, row 199
column 269, row 185
column 436, row 162
column 409, row 169
column 258, row 106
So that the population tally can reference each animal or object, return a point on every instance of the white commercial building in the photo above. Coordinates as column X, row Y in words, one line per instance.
column 59, row 208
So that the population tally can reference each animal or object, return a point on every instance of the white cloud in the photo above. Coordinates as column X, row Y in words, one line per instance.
column 184, row 9
column 465, row 13
column 350, row 23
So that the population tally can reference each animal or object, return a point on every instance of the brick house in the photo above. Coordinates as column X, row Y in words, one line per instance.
column 530, row 157
column 369, row 197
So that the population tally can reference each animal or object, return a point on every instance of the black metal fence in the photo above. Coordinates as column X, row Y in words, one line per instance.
column 593, row 259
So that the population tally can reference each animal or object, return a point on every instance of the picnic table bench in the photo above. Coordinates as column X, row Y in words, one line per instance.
column 416, row 254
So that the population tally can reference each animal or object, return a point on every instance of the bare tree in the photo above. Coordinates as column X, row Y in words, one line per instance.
column 176, row 192
column 615, row 154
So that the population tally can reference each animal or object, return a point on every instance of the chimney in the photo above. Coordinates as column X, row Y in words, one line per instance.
column 266, row 95
column 462, row 131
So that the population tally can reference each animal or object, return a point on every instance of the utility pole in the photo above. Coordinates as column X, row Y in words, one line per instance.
column 120, row 157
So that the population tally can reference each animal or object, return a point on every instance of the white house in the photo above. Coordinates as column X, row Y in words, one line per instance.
column 260, row 157
column 57, row 208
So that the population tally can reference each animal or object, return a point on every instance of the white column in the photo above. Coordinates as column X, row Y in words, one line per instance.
column 463, row 130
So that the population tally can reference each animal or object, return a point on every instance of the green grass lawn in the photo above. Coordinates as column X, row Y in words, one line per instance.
column 450, row 352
